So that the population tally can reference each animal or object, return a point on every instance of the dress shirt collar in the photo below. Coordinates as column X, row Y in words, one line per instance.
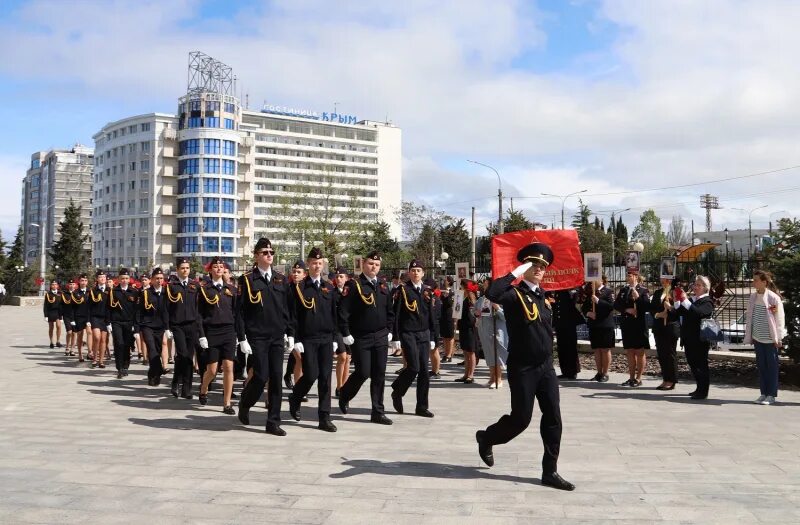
column 266, row 273
column 532, row 286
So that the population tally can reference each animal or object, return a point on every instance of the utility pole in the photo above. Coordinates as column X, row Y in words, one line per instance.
column 472, row 242
column 709, row 202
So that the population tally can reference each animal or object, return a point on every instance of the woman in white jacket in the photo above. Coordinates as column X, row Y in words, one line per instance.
column 765, row 330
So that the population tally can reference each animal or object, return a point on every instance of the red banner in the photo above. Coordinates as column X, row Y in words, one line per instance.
column 567, row 268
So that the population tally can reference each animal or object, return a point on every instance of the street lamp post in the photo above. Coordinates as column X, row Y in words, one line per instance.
column 750, row 222
column 563, row 201
column 19, row 270
column 770, row 218
column 500, row 228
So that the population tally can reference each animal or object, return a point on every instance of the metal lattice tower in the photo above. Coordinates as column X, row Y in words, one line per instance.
column 208, row 75
column 709, row 202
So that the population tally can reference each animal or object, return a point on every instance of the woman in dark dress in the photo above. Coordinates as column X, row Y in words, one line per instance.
column 466, row 331
column 599, row 312
column 666, row 330
column 633, row 303
column 692, row 313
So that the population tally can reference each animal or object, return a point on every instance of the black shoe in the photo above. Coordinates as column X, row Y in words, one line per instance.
column 604, row 379
column 554, row 480
column 484, row 450
column 229, row 410
column 460, row 380
column 343, row 405
column 327, row 426
column 399, row 370
column 275, row 430
column 336, row 393
column 244, row 416
column 423, row 412
column 434, row 375
column 397, row 402
column 174, row 391
column 151, row 381
column 692, row 394
column 187, row 396
column 636, row 383
column 447, row 359
column 294, row 407
column 203, row 399
column 58, row 345
column 52, row 345
column 287, row 380
column 568, row 377
column 125, row 372
column 156, row 381
column 597, row 377
column 381, row 420
column 629, row 382
column 469, row 381
column 120, row 375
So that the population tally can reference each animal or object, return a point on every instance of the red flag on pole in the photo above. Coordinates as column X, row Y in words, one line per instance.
column 567, row 268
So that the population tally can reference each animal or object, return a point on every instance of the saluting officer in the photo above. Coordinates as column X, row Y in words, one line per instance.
column 80, row 313
column 98, row 311
column 122, row 304
column 152, row 320
column 52, row 306
column 218, row 332
column 530, row 362
column 415, row 324
column 366, row 319
column 315, row 311
column 184, row 323
column 263, row 317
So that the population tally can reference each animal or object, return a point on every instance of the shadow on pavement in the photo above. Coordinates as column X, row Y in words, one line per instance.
column 674, row 398
column 422, row 469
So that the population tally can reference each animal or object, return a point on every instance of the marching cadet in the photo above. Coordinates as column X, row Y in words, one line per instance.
column 315, row 311
column 415, row 324
column 185, row 325
column 152, row 321
column 342, row 350
column 294, row 365
column 66, row 314
column 80, row 313
column 530, row 362
column 366, row 319
column 217, row 309
column 263, row 318
column 122, row 304
column 53, row 305
column 98, row 312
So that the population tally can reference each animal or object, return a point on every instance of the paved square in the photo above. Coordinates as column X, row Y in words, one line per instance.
column 79, row 446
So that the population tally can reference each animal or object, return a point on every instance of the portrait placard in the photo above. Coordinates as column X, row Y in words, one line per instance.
column 593, row 267
column 668, row 265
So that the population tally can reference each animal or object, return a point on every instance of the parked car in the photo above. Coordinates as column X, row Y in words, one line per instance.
column 734, row 333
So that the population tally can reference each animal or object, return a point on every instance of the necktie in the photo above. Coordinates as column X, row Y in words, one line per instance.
column 183, row 283
column 219, row 287
column 374, row 283
column 316, row 284
column 417, row 289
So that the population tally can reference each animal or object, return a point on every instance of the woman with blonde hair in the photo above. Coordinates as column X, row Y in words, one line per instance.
column 765, row 330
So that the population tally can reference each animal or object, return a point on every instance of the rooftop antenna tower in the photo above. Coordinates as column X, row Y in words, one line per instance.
column 709, row 202
column 208, row 75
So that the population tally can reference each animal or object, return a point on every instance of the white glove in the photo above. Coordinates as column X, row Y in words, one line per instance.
column 390, row 336
column 290, row 341
column 521, row 269
column 88, row 324
column 168, row 334
column 203, row 343
column 244, row 346
column 108, row 328
column 335, row 346
column 395, row 345
column 72, row 323
column 136, row 335
column 299, row 348
column 433, row 345
column 45, row 318
column 285, row 339
column 348, row 340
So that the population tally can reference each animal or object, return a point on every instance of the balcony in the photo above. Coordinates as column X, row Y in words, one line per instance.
column 169, row 134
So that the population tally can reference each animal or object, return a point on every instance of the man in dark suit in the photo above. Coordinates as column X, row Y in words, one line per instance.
column 530, row 362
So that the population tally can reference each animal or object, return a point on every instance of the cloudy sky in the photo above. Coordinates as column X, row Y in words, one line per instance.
column 642, row 104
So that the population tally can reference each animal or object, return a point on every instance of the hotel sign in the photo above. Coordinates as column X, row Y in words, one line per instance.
column 303, row 113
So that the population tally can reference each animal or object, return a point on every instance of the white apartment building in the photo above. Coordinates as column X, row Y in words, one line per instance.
column 54, row 177
column 209, row 180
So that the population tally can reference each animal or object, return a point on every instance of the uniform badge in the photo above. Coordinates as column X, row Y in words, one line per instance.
column 228, row 292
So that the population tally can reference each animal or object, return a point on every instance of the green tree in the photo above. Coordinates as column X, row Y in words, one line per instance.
column 649, row 233
column 786, row 255
column 515, row 221
column 68, row 252
column 455, row 241
column 15, row 281
column 581, row 218
column 2, row 252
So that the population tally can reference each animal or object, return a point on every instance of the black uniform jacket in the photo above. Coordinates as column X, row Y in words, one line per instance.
column 152, row 311
column 182, row 302
column 98, row 303
column 262, row 308
column 365, row 309
column 66, row 307
column 216, row 308
column 415, row 311
column 690, row 326
column 315, row 310
column 603, row 310
column 80, row 305
column 53, row 303
column 528, row 319
column 122, row 305
column 625, row 300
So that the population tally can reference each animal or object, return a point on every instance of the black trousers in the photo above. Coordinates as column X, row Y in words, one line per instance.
column 267, row 362
column 152, row 340
column 290, row 362
column 122, row 335
column 527, row 383
column 567, row 339
column 317, row 365
column 185, row 339
column 666, row 347
column 697, row 357
column 369, row 356
column 416, row 348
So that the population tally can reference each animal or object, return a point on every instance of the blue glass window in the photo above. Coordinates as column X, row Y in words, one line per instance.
column 210, row 185
column 211, row 224
column 187, row 205
column 187, row 244
column 189, row 185
column 189, row 167
column 210, row 244
column 227, row 245
column 188, row 225
column 228, row 206
column 227, row 225
column 229, row 123
column 190, row 147
column 211, row 165
column 228, row 167
column 230, row 108
column 229, row 148
column 210, row 205
column 211, row 146
column 212, row 122
column 195, row 122
column 228, row 186
column 212, row 105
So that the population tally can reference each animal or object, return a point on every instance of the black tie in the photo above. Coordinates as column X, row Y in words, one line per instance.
column 183, row 283
column 316, row 284
column 219, row 287
column 374, row 283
